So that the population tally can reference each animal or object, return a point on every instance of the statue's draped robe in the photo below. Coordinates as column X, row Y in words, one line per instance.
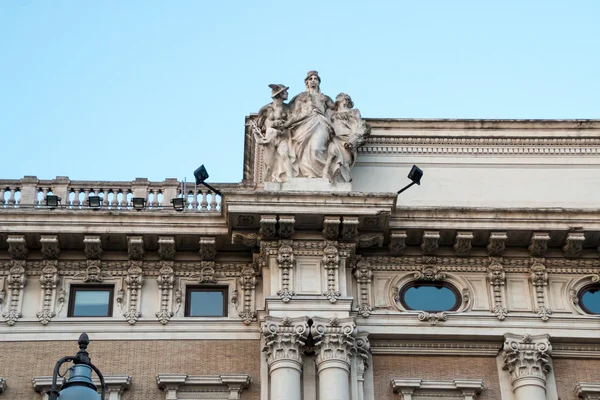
column 311, row 132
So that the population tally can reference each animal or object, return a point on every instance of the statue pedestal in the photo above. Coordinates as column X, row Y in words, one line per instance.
column 308, row 185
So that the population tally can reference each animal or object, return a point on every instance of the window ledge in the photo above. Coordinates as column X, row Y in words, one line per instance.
column 413, row 389
column 176, row 384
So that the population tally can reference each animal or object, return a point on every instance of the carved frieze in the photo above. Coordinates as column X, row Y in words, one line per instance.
column 574, row 244
column 284, row 339
column 16, row 282
column 286, row 226
column 92, row 247
column 463, row 244
column 135, row 247
column 331, row 262
column 50, row 247
column 349, row 229
column 539, row 244
column 93, row 272
column 166, row 247
column 527, row 356
column 331, row 227
column 430, row 243
column 208, row 248
column 17, row 247
column 397, row 242
column 497, row 244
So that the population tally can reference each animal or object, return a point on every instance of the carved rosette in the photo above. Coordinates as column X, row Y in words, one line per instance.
column 133, row 282
column 248, row 284
column 48, row 282
column 364, row 275
column 16, row 282
column 331, row 262
column 166, row 280
column 497, row 278
column 285, row 261
column 526, row 358
column 284, row 339
column 539, row 280
column 334, row 341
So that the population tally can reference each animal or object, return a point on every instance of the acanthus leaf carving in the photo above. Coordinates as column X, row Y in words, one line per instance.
column 249, row 239
column 497, row 244
column 527, row 356
column 462, row 246
column 268, row 227
column 349, row 229
column 286, row 226
column 284, row 339
column 574, row 244
column 334, row 339
column 539, row 244
column 370, row 239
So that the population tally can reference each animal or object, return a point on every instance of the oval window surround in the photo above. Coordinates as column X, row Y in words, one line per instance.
column 443, row 291
column 589, row 299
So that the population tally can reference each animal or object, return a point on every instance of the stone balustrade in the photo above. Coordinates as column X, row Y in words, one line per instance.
column 31, row 192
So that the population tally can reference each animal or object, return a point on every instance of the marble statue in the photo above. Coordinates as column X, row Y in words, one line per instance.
column 312, row 136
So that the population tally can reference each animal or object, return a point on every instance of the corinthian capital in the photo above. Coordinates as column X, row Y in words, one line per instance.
column 334, row 341
column 527, row 357
column 284, row 339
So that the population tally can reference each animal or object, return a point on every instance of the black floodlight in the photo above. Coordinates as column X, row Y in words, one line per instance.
column 138, row 203
column 52, row 201
column 95, row 202
column 415, row 176
column 178, row 203
column 201, row 176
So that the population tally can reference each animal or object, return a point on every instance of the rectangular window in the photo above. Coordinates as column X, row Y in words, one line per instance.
column 91, row 301
column 206, row 301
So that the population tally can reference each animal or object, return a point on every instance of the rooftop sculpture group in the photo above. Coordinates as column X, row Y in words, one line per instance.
column 311, row 136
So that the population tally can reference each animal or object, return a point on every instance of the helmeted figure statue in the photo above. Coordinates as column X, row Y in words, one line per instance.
column 312, row 137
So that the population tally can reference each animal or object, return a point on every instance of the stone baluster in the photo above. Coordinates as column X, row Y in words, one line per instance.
column 527, row 359
column 194, row 203
column 204, row 202
column 124, row 202
column 2, row 190
column 11, row 197
column 86, row 195
column 335, row 343
column 213, row 201
column 284, row 339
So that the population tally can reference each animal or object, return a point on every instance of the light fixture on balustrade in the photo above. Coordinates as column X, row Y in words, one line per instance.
column 95, row 202
column 178, row 203
column 201, row 176
column 415, row 176
column 52, row 201
column 138, row 203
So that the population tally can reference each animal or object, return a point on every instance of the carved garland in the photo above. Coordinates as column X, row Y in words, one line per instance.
column 286, row 261
column 48, row 281
column 331, row 261
column 16, row 282
column 497, row 279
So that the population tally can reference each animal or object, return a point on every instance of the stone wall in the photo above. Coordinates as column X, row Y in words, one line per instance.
column 570, row 372
column 388, row 367
column 143, row 360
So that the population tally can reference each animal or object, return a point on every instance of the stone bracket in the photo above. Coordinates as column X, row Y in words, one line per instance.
column 430, row 243
column 539, row 244
column 93, row 247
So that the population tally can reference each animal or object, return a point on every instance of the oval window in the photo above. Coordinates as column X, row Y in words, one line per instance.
column 589, row 299
column 430, row 297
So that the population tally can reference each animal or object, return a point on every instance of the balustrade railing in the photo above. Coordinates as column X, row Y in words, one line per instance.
column 31, row 192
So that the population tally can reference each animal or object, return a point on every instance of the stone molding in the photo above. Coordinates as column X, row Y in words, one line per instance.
column 284, row 341
column 176, row 386
column 527, row 358
column 414, row 389
column 335, row 341
column 115, row 385
column 438, row 347
column 587, row 391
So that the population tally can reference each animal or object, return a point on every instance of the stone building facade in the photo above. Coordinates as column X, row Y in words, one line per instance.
column 319, row 283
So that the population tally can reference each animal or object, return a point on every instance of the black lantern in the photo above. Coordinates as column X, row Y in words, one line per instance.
column 138, row 203
column 52, row 201
column 178, row 203
column 415, row 176
column 201, row 176
column 94, row 202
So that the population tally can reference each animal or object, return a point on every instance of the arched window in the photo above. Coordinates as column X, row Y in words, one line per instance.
column 589, row 298
column 430, row 296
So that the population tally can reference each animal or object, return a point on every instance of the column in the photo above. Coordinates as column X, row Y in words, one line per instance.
column 527, row 359
column 334, row 345
column 284, row 339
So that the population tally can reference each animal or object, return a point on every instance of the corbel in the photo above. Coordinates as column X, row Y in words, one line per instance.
column 93, row 247
column 249, row 239
column 286, row 226
column 574, row 244
column 397, row 242
column 166, row 248
column 463, row 244
column 135, row 247
column 349, row 229
column 17, row 247
column 268, row 227
column 50, row 247
column 331, row 227
column 497, row 244
column 539, row 244
column 370, row 239
column 208, row 248
column 430, row 243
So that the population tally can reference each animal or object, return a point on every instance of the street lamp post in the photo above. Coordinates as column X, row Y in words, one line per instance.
column 79, row 386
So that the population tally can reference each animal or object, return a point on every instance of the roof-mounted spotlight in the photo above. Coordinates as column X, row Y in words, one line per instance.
column 138, row 203
column 178, row 203
column 52, row 201
column 201, row 176
column 95, row 202
column 415, row 176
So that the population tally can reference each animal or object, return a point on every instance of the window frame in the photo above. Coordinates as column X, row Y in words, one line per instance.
column 580, row 294
column 195, row 288
column 419, row 283
column 73, row 294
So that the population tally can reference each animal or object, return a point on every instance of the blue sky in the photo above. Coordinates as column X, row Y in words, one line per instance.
column 113, row 90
